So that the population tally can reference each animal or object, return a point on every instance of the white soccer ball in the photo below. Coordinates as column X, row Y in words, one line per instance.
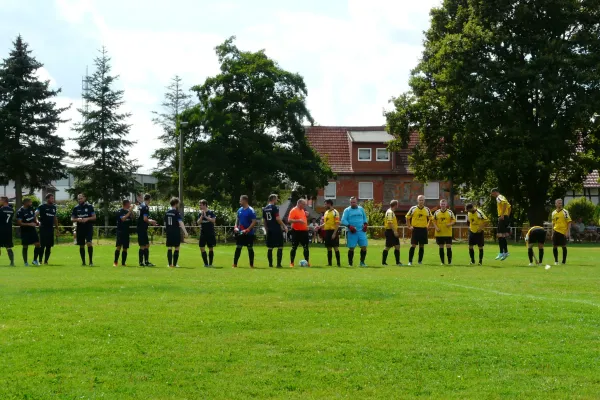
column 548, row 267
column 303, row 263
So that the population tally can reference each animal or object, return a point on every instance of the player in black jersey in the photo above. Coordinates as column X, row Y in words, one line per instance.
column 46, row 216
column 124, row 220
column 274, row 227
column 85, row 216
column 6, row 234
column 206, row 220
column 29, row 236
column 174, row 226
column 142, row 231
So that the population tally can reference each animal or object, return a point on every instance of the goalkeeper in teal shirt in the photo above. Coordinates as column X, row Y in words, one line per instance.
column 355, row 219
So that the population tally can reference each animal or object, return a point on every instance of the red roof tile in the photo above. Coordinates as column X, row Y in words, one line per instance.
column 591, row 181
column 332, row 143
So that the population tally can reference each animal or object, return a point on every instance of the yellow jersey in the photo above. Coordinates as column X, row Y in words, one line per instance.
column 391, row 222
column 560, row 221
column 476, row 221
column 331, row 220
column 501, row 200
column 442, row 219
column 419, row 217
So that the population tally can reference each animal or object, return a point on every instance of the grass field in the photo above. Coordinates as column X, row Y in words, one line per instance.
column 503, row 330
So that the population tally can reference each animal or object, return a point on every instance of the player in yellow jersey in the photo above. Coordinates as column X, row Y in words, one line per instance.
column 504, row 209
column 417, row 220
column 443, row 220
column 536, row 235
column 561, row 230
column 331, row 226
column 477, row 223
column 392, row 236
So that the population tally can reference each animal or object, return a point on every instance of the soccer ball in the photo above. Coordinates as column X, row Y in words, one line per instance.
column 304, row 263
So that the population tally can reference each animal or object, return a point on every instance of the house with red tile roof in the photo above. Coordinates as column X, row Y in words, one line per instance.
column 358, row 155
column 591, row 189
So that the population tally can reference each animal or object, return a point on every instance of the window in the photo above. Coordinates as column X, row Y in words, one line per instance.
column 364, row 154
column 431, row 190
column 330, row 190
column 365, row 190
column 383, row 155
column 150, row 186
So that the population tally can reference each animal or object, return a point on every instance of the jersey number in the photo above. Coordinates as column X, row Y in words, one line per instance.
column 8, row 218
column 170, row 221
column 269, row 217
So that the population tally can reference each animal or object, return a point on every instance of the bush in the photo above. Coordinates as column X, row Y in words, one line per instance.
column 35, row 202
column 581, row 208
column 597, row 215
column 376, row 217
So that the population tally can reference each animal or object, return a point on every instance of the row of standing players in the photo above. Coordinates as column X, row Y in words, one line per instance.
column 354, row 218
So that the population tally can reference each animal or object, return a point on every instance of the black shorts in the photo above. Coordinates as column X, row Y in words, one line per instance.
column 442, row 240
column 6, row 239
column 476, row 239
column 173, row 238
column 419, row 236
column 300, row 238
column 143, row 237
column 85, row 234
column 504, row 225
column 274, row 239
column 47, row 237
column 537, row 236
column 123, row 239
column 390, row 239
column 244, row 240
column 207, row 240
column 329, row 241
column 29, row 237
column 558, row 239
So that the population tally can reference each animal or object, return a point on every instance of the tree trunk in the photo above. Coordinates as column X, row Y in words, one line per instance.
column 452, row 194
column 536, row 212
column 105, row 205
column 18, row 193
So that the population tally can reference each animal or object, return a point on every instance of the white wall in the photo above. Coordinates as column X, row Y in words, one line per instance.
column 591, row 194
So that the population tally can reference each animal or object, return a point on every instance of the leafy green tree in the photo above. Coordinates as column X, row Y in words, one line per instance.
column 31, row 152
column 175, row 102
column 506, row 87
column 581, row 208
column 107, row 173
column 253, row 142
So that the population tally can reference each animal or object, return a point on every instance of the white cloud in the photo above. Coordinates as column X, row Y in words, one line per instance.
column 353, row 62
column 44, row 75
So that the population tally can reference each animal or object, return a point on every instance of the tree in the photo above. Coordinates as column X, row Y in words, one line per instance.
column 106, row 174
column 175, row 102
column 31, row 152
column 510, row 88
column 254, row 140
column 582, row 208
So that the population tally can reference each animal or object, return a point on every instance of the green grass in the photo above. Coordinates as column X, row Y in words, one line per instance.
column 503, row 330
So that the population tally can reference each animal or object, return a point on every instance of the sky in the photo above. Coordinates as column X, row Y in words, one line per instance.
column 353, row 54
